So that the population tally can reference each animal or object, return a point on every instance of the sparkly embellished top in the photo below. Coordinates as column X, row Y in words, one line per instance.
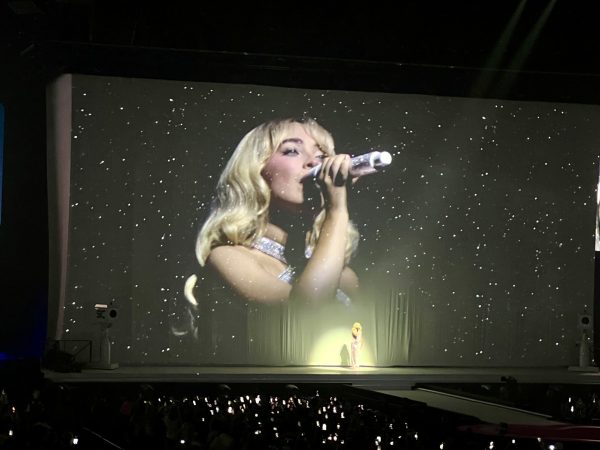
column 277, row 251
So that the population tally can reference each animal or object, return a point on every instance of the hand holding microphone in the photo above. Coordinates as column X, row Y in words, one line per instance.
column 367, row 163
column 360, row 165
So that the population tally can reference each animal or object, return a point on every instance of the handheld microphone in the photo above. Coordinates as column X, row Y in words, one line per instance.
column 365, row 164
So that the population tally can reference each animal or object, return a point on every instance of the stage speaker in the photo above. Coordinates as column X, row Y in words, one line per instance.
column 584, row 322
column 106, row 313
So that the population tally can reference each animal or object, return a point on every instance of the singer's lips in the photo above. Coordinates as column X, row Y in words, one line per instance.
column 305, row 178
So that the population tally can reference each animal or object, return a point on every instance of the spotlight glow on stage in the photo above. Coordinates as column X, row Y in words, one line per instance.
column 333, row 349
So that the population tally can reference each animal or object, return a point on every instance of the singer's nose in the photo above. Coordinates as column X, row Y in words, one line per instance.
column 313, row 162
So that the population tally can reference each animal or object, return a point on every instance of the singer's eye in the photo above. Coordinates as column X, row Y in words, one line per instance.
column 321, row 156
column 290, row 151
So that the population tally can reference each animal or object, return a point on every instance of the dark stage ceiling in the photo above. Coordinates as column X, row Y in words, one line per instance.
column 547, row 36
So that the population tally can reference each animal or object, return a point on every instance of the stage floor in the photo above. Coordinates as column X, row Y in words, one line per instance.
column 408, row 383
column 371, row 377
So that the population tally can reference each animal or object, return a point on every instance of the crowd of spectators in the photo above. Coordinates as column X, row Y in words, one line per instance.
column 47, row 415
column 153, row 416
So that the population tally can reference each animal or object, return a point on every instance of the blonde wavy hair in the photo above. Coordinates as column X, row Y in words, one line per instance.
column 240, row 212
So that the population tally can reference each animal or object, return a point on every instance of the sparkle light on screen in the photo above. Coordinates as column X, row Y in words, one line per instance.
column 476, row 246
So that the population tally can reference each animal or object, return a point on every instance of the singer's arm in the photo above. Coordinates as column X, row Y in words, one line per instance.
column 325, row 271
column 322, row 274
column 255, row 279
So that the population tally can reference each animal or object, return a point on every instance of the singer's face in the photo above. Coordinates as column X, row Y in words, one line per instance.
column 290, row 163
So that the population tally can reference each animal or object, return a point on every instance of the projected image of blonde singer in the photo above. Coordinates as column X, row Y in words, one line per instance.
column 462, row 252
column 276, row 236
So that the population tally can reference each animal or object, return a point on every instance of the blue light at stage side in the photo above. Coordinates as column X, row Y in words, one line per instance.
column 1, row 154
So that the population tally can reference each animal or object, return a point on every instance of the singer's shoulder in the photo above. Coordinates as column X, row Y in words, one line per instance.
column 248, row 272
column 241, row 259
column 227, row 254
column 230, row 261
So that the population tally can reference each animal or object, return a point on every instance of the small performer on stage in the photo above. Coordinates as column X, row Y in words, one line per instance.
column 356, row 345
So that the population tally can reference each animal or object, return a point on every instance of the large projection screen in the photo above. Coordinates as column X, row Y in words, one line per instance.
column 476, row 244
